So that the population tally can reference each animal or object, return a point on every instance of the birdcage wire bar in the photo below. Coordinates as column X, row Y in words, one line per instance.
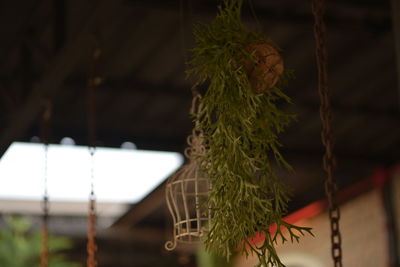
column 188, row 189
column 187, row 194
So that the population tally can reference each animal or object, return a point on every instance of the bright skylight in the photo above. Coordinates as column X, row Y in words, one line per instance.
column 120, row 175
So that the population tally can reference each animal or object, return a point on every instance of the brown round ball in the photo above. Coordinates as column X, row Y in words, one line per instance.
column 265, row 68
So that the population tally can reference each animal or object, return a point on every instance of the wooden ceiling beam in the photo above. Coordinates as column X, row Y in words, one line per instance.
column 178, row 143
column 13, row 41
column 344, row 15
column 64, row 63
column 396, row 32
column 131, row 88
column 137, row 235
column 349, row 163
column 142, row 209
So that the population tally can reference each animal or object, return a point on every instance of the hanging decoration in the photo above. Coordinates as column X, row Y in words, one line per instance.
column 187, row 191
column 329, row 160
column 265, row 67
column 241, row 122
column 45, row 128
column 93, row 82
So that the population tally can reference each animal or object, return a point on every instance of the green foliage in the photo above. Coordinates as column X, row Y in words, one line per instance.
column 21, row 248
column 206, row 259
column 241, row 134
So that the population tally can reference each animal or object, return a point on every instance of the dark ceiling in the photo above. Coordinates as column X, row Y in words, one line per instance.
column 145, row 98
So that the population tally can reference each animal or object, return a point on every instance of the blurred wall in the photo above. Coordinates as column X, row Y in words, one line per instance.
column 364, row 236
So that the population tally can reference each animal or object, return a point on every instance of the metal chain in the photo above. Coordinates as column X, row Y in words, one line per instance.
column 45, row 133
column 91, row 243
column 44, row 254
column 92, row 218
column 93, row 82
column 329, row 161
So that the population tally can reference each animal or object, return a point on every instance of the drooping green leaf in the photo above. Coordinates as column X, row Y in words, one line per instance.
column 241, row 131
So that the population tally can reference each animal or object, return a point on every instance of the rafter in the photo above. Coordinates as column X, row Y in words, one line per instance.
column 62, row 66
column 396, row 31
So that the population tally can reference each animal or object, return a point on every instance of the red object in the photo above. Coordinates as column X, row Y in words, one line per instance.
column 378, row 179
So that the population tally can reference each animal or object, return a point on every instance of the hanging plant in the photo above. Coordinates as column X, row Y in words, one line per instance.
column 241, row 121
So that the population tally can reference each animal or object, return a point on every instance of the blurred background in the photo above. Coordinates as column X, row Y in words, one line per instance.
column 143, row 102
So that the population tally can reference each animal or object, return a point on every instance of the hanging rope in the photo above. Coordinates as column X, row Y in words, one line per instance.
column 329, row 161
column 93, row 82
column 45, row 133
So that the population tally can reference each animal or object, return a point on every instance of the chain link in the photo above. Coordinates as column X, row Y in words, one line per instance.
column 45, row 136
column 92, row 218
column 91, row 243
column 93, row 82
column 44, row 253
column 329, row 160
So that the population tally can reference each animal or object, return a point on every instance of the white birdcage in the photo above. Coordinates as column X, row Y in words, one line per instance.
column 187, row 196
